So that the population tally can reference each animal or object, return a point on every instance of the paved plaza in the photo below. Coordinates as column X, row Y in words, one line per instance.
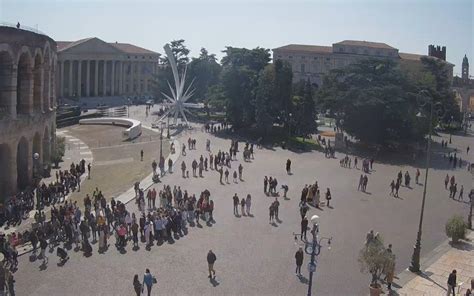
column 255, row 257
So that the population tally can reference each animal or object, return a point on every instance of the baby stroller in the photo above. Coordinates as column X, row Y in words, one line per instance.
column 62, row 254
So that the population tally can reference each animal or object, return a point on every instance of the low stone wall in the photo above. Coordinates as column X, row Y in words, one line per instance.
column 134, row 126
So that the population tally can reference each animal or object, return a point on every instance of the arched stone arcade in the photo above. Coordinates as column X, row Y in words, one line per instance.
column 27, row 104
column 24, row 84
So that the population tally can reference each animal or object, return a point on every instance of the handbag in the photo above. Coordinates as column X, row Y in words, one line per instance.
column 154, row 280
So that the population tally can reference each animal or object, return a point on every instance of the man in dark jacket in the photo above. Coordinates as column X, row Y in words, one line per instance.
column 452, row 283
column 211, row 258
column 299, row 261
column 304, row 227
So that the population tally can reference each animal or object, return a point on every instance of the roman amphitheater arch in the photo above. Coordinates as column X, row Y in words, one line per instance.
column 5, row 160
column 22, row 163
column 46, row 145
column 24, row 85
column 46, row 77
column 7, row 82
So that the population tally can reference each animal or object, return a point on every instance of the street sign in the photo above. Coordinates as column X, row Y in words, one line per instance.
column 312, row 266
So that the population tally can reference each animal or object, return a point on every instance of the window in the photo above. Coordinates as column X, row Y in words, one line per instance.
column 377, row 52
column 136, row 57
column 354, row 50
column 302, row 57
column 315, row 58
column 341, row 49
column 366, row 51
column 328, row 59
column 279, row 56
column 143, row 58
column 128, row 57
column 290, row 57
column 302, row 68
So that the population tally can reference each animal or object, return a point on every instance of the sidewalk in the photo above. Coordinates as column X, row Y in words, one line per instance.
column 432, row 280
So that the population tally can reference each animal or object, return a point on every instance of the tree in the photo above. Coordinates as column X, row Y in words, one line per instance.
column 307, row 121
column 239, row 79
column 375, row 259
column 265, row 94
column 374, row 102
column 164, row 74
column 205, row 71
column 238, row 84
column 58, row 151
column 282, row 100
column 441, row 89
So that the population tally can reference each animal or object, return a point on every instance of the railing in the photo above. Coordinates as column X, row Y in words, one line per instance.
column 26, row 28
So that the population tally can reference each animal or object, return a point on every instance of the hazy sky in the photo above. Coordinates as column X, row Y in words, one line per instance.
column 407, row 25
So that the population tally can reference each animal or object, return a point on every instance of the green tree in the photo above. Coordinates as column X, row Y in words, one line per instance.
column 282, row 100
column 265, row 94
column 307, row 121
column 254, row 59
column 375, row 101
column 205, row 71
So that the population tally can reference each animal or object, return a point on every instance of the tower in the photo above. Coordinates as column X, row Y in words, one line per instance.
column 465, row 69
column 437, row 51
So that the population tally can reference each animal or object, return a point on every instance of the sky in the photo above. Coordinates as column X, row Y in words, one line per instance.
column 409, row 25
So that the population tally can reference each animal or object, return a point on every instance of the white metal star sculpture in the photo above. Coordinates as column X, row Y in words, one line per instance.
column 177, row 101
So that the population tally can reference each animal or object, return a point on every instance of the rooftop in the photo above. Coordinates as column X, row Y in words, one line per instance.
column 366, row 44
column 124, row 47
column 306, row 48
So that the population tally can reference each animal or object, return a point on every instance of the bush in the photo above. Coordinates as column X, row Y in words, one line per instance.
column 456, row 228
column 375, row 259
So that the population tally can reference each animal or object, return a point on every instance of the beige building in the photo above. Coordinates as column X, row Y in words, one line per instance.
column 94, row 68
column 313, row 61
column 27, row 106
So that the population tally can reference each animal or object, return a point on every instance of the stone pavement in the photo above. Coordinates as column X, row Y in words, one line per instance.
column 437, row 266
column 255, row 257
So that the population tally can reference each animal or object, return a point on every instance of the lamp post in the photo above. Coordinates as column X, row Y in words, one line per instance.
column 415, row 259
column 290, row 116
column 313, row 249
column 469, row 218
column 168, row 126
column 36, row 179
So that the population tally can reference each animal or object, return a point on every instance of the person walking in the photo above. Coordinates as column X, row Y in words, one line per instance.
column 299, row 261
column 288, row 166
column 248, row 203
column 328, row 196
column 461, row 192
column 417, row 176
column 148, row 281
column 236, row 204
column 211, row 259
column 89, row 170
column 183, row 168
column 242, row 205
column 304, row 227
column 452, row 283
column 141, row 155
column 276, row 204
column 43, row 246
column 361, row 182
column 265, row 184
column 137, row 286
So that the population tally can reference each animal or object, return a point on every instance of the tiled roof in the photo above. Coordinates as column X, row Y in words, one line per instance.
column 365, row 43
column 410, row 56
column 306, row 48
column 130, row 48
column 124, row 47
column 417, row 57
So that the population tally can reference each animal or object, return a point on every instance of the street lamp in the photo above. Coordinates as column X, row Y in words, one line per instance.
column 168, row 126
column 415, row 259
column 313, row 248
column 469, row 218
column 36, row 179
column 289, row 123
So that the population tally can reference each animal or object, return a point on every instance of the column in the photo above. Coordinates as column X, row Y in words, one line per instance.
column 96, row 78
column 79, row 78
column 139, row 78
column 61, row 78
column 105, row 79
column 112, row 90
column 71, row 63
column 145, row 78
column 121, row 78
column 132, row 77
column 88, row 78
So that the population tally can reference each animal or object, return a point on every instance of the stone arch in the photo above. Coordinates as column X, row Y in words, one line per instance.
column 38, row 81
column 7, row 82
column 22, row 164
column 46, row 146
column 24, row 84
column 46, row 77
column 5, row 160
column 52, row 85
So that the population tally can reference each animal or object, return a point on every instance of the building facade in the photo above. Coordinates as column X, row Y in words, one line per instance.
column 27, row 106
column 313, row 62
column 94, row 68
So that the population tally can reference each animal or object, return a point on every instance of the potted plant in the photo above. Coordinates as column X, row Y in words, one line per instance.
column 58, row 151
column 456, row 228
column 375, row 259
